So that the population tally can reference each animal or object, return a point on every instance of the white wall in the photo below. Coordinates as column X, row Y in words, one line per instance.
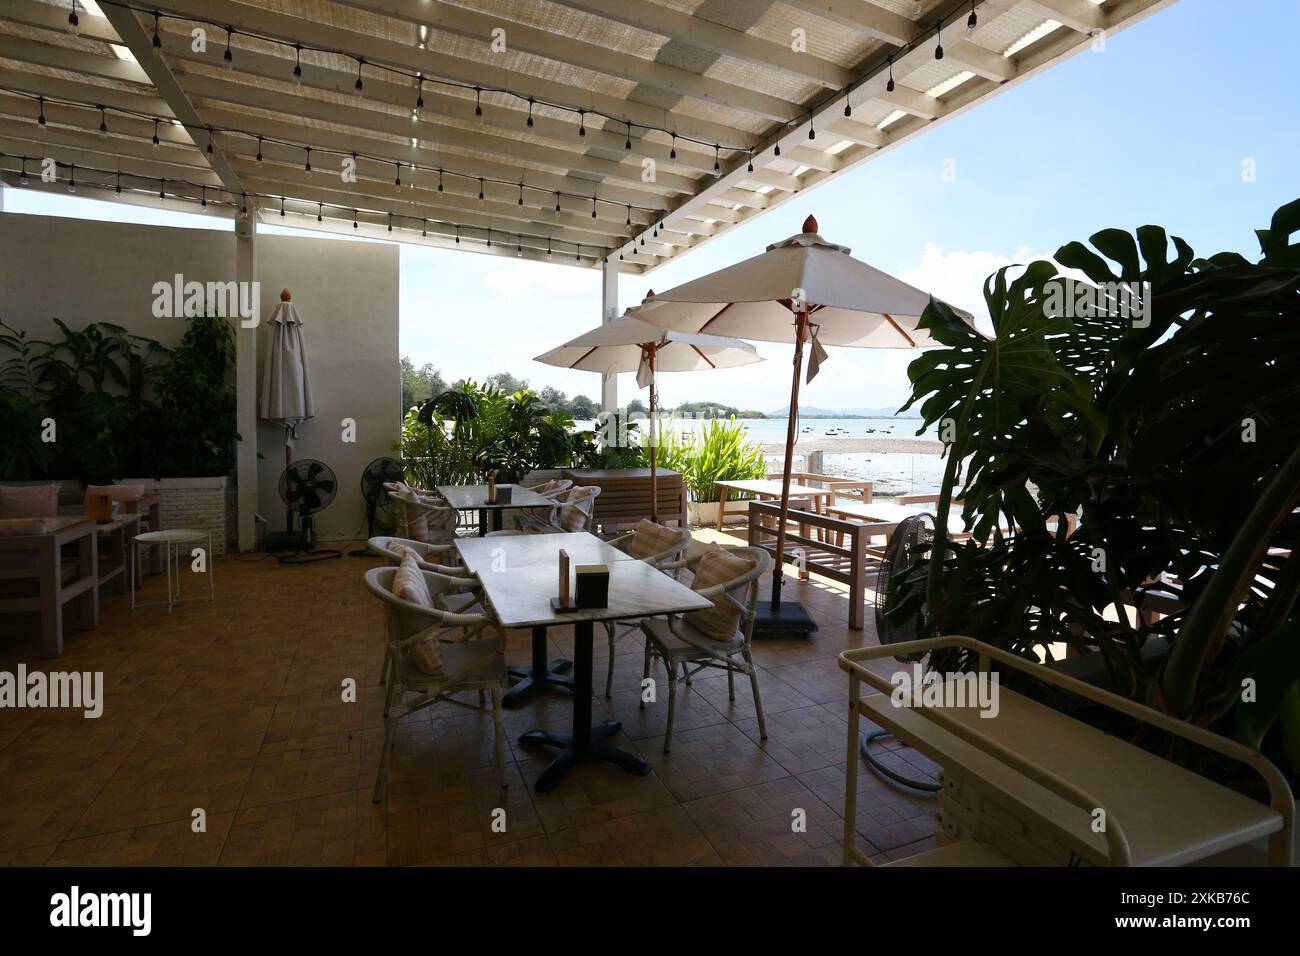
column 83, row 271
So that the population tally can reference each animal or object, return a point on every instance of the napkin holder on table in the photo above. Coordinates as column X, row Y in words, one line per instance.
column 592, row 589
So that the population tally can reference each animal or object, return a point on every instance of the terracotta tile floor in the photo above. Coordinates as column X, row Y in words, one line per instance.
column 235, row 708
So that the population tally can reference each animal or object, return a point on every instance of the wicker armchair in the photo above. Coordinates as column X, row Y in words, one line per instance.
column 675, row 642
column 468, row 664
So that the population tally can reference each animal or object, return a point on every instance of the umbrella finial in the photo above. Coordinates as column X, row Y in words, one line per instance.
column 810, row 224
column 286, row 295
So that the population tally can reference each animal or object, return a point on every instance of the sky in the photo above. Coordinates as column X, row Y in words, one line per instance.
column 1156, row 128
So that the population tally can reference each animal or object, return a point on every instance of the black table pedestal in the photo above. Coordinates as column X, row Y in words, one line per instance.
column 541, row 675
column 497, row 514
column 586, row 741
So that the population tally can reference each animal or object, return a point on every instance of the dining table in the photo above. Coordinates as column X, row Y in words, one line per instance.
column 583, row 548
column 520, row 577
column 475, row 498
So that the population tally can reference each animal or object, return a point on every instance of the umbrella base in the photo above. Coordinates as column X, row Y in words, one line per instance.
column 790, row 620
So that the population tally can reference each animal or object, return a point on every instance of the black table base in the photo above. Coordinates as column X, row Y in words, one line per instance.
column 541, row 675
column 586, row 741
column 496, row 515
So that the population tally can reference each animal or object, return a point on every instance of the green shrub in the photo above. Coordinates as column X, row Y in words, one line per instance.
column 719, row 452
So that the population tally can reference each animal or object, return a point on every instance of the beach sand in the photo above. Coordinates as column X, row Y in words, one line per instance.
column 873, row 445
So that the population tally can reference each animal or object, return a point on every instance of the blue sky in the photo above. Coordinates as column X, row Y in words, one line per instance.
column 1155, row 129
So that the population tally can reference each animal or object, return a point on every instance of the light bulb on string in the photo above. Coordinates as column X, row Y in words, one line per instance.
column 972, row 20
column 103, row 124
column 258, row 159
column 73, row 21
column 307, row 162
column 40, row 111
column 157, row 40
column 227, row 58
column 938, row 39
column 297, row 64
column 320, row 211
column 72, row 178
column 889, row 87
column 156, row 142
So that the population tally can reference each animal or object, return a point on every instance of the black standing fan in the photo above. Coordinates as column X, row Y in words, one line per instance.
column 377, row 473
column 900, row 619
column 306, row 487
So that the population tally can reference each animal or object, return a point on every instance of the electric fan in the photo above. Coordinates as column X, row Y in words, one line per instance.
column 306, row 487
column 376, row 473
column 901, row 617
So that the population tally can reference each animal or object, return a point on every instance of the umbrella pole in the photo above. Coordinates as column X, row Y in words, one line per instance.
column 654, row 473
column 778, row 570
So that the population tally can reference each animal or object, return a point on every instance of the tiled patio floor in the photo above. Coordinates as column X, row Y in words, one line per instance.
column 235, row 708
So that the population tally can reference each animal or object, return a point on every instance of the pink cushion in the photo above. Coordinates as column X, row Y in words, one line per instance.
column 29, row 501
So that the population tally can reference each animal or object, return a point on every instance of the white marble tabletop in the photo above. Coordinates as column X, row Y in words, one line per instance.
column 474, row 497
column 521, row 550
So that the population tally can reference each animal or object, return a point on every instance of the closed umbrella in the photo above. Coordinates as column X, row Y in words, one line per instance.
column 631, row 344
column 805, row 290
column 286, row 384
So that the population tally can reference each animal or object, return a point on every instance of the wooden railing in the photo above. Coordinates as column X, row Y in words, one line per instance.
column 845, row 561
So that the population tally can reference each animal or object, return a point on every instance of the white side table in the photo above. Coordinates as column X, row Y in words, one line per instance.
column 173, row 542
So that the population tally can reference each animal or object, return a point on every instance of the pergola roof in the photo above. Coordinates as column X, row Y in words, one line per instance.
column 687, row 83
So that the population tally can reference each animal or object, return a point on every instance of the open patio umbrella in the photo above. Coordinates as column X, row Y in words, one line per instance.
column 803, row 289
column 630, row 344
column 286, row 385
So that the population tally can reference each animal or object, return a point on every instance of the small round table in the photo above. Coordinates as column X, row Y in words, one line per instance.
column 172, row 541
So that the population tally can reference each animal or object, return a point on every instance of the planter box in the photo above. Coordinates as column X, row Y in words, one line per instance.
column 204, row 504
column 706, row 513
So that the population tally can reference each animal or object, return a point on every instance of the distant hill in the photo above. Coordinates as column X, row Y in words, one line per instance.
column 811, row 411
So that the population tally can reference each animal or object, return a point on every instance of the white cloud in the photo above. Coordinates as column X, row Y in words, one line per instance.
column 958, row 277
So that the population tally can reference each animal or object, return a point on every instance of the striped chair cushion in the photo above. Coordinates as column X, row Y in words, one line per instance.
column 717, row 566
column 575, row 512
column 652, row 538
column 408, row 584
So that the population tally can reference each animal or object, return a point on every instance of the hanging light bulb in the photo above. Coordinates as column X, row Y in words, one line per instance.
column 297, row 64
column 593, row 207
column 40, row 107
column 259, row 153
column 354, row 219
column 203, row 196
column 972, row 20
column 777, row 150
column 557, row 203
column 307, row 163
column 480, row 190
column 717, row 166
column 281, row 207
column 210, row 150
column 424, row 229
column 157, row 40
column 938, row 39
column 72, row 178
column 750, row 166
column 548, row 247
column 22, row 177
column 519, row 249
column 629, row 216
column 889, row 87
column 489, row 237
column 162, row 194
column 521, row 193
column 582, row 123
column 848, row 107
column 530, row 112
column 227, row 59
column 73, row 21
column 118, row 187
column 478, row 101
column 358, row 85
column 320, row 211
column 419, row 97
column 397, row 180
column 812, row 133
column 458, row 234
column 672, row 151
column 628, row 143
column 103, row 124
column 390, row 222
column 155, row 135
column 439, row 179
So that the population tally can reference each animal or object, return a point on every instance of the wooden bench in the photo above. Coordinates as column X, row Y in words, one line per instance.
column 1028, row 783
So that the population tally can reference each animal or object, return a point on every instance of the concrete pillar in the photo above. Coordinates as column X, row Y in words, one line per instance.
column 246, row 386
column 608, row 312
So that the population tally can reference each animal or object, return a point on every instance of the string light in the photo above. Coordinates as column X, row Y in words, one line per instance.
column 72, row 178
column 354, row 219
column 320, row 211
column 259, row 152
column 359, row 86
column 812, row 133
column 582, row 123
column 22, row 177
column 307, row 163
column 672, row 152
column 628, row 143
column 155, row 134
column 717, row 166
column 530, row 112
column 889, row 87
column 281, row 207
column 480, row 190
column 419, row 96
column 103, row 123
column 73, row 22
column 203, row 192
column 521, row 193
column 397, row 180
column 40, row 116
column 938, row 39
column 227, row 57
column 972, row 20
column 210, row 150
column 478, row 101
column 157, row 40
column 297, row 63
column 750, row 167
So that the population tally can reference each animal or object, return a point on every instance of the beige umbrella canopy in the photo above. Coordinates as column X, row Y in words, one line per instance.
column 802, row 289
column 630, row 344
column 286, row 385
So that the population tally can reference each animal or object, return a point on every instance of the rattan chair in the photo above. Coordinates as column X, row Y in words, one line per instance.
column 425, row 518
column 617, row 629
column 468, row 663
column 676, row 643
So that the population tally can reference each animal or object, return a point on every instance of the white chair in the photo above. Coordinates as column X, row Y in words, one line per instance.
column 676, row 642
column 552, row 488
column 670, row 544
column 571, row 512
column 468, row 664
column 424, row 518
column 462, row 602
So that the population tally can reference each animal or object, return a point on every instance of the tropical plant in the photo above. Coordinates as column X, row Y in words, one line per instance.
column 472, row 430
column 1171, row 433
column 720, row 451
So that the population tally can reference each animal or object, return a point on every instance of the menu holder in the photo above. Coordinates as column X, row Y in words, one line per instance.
column 592, row 590
column 99, row 507
column 492, row 489
column 565, row 600
column 504, row 493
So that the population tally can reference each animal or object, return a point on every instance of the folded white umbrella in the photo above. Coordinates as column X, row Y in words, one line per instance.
column 631, row 344
column 802, row 289
column 286, row 384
